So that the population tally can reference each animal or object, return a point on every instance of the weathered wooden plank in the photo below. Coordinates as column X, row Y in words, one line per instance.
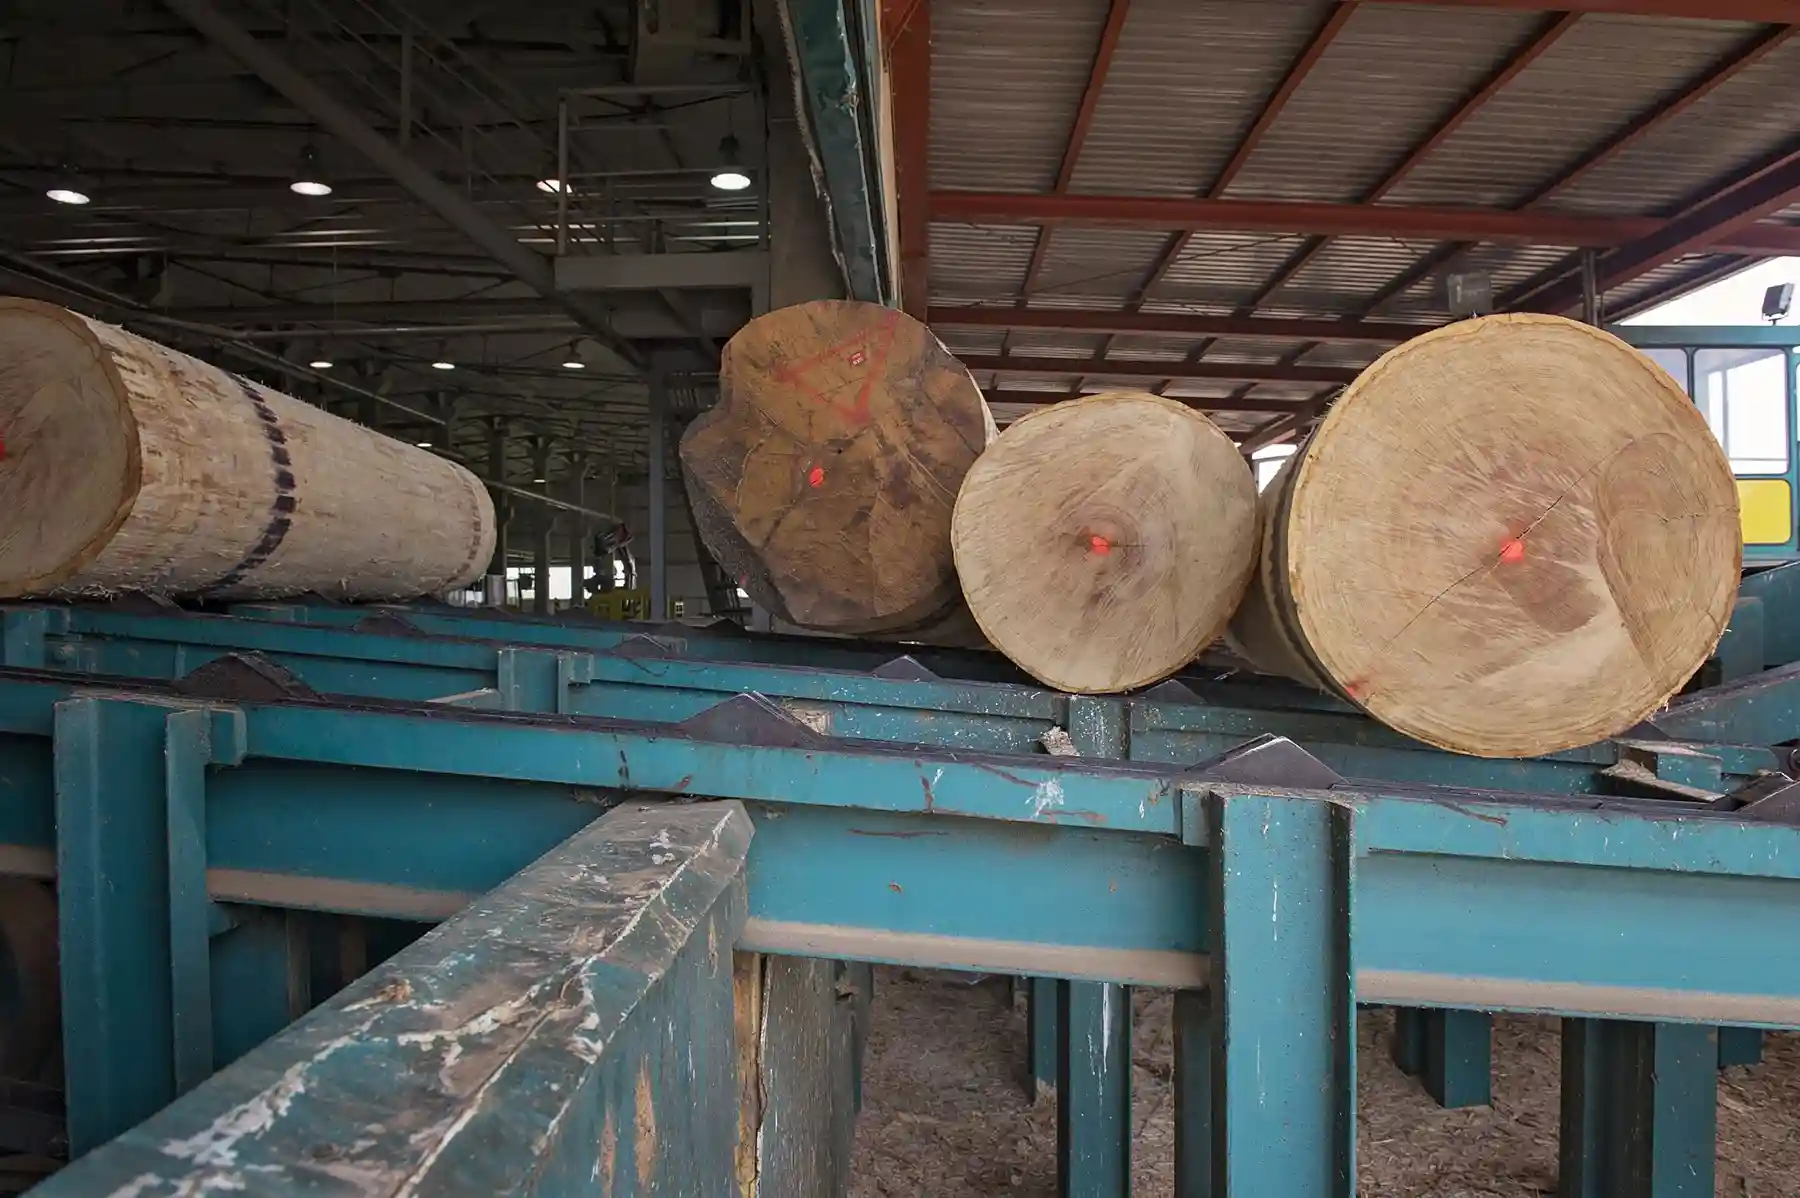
column 571, row 1031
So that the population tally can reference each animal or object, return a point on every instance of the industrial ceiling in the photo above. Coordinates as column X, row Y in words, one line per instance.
column 368, row 193
column 1240, row 202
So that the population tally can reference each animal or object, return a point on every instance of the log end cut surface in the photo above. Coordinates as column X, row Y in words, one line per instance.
column 824, row 477
column 68, row 447
column 1103, row 543
column 1512, row 536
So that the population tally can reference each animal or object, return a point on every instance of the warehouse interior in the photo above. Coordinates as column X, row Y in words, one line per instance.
column 527, row 240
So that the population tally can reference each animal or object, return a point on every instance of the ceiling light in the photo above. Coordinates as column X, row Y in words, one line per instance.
column 67, row 195
column 442, row 365
column 572, row 364
column 540, row 480
column 550, row 185
column 572, row 361
column 424, row 444
column 309, row 180
column 320, row 364
column 730, row 177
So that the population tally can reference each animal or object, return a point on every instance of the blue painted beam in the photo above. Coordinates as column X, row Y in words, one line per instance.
column 1284, row 903
column 979, row 716
column 1475, row 905
column 571, row 1033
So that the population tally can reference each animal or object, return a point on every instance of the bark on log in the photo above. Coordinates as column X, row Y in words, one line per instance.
column 1104, row 542
column 1511, row 536
column 824, row 477
column 127, row 466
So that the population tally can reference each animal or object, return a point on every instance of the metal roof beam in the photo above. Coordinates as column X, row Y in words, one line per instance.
column 1304, row 218
column 1171, row 324
column 1297, row 72
column 1746, row 55
column 1198, row 403
column 908, row 44
column 1776, row 12
column 1710, row 224
column 530, row 267
column 1249, row 372
column 1084, row 120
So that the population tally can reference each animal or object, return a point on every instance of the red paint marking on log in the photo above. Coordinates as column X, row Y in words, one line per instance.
column 1357, row 688
column 1513, row 551
column 858, row 351
column 815, row 476
column 1099, row 544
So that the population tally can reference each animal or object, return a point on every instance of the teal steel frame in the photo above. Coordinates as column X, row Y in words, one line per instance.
column 200, row 787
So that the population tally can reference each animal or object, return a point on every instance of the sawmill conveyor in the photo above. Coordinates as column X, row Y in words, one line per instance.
column 663, row 857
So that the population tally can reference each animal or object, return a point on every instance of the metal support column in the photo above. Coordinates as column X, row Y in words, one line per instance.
column 1283, row 994
column 1639, row 1109
column 262, row 975
column 1093, row 1110
column 658, row 493
column 130, row 780
column 578, row 537
column 495, row 595
column 1193, row 1063
column 1450, row 1052
column 540, row 588
column 1043, row 1031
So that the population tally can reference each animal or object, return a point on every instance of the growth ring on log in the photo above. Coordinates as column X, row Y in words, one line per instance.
column 1511, row 536
column 824, row 477
column 1103, row 543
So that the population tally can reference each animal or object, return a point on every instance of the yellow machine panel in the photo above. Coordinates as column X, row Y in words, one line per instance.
column 1766, row 507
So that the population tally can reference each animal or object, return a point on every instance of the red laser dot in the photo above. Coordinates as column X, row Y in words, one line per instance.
column 815, row 476
column 1513, row 551
column 1099, row 544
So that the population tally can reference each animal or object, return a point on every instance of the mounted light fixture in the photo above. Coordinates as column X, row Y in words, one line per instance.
column 309, row 180
column 67, row 195
column 423, row 444
column 730, row 176
column 441, row 364
column 320, row 363
column 551, row 186
column 572, row 360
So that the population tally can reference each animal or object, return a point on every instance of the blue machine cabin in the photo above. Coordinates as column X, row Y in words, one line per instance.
column 1743, row 379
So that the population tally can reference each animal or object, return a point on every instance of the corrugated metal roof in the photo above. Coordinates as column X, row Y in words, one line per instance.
column 1592, row 82
column 1386, row 82
column 973, row 263
column 1187, row 81
column 1228, row 266
column 1107, row 264
column 1006, row 80
column 1749, row 117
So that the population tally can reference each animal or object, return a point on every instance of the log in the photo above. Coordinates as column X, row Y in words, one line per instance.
column 1511, row 536
column 1103, row 543
column 824, row 477
column 127, row 466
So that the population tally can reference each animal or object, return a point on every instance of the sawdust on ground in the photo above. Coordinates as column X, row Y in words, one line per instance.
column 946, row 1114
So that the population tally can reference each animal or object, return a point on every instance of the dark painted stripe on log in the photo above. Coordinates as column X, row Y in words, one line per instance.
column 281, row 515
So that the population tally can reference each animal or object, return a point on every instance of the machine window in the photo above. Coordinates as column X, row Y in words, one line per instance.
column 1744, row 395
